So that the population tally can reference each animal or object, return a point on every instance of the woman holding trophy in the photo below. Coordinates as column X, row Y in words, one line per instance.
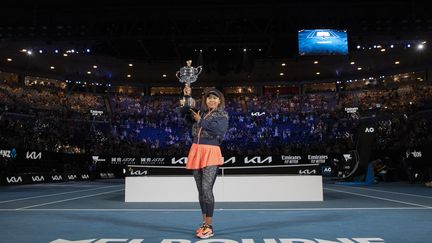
column 210, row 124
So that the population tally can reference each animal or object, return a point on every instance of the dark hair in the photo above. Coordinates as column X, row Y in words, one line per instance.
column 214, row 91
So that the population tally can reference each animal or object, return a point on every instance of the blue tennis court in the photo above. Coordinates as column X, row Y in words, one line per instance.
column 96, row 212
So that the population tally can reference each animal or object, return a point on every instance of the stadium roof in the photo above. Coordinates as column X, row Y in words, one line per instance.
column 236, row 42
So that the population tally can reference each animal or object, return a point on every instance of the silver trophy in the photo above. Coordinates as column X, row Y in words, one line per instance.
column 188, row 75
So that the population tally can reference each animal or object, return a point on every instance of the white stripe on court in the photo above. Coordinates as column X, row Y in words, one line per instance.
column 218, row 209
column 376, row 190
column 55, row 194
column 69, row 199
column 380, row 198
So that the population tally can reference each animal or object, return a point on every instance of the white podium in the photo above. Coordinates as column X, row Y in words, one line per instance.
column 238, row 188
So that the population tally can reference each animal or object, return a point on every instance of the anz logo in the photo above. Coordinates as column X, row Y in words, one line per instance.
column 14, row 179
column 257, row 113
column 85, row 176
column 182, row 161
column 33, row 155
column 257, row 160
column 72, row 177
column 369, row 130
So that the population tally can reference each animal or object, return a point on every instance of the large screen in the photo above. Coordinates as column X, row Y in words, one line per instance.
column 323, row 42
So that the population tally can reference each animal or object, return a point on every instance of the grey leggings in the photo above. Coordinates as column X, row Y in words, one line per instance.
column 205, row 179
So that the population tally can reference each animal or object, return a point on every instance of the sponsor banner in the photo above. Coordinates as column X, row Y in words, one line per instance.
column 265, row 160
column 318, row 159
column 32, row 178
column 8, row 153
column 226, row 170
column 107, row 175
column 123, row 160
column 291, row 159
column 326, row 170
column 415, row 153
column 33, row 155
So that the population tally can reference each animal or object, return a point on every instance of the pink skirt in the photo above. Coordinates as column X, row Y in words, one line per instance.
column 202, row 155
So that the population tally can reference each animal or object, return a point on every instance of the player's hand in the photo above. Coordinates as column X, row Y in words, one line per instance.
column 187, row 90
column 196, row 115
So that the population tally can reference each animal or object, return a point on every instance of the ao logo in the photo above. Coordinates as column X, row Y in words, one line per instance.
column 369, row 130
column 328, row 169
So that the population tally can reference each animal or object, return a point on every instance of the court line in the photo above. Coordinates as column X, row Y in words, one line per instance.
column 218, row 209
column 55, row 194
column 398, row 193
column 380, row 198
column 69, row 199
column 61, row 193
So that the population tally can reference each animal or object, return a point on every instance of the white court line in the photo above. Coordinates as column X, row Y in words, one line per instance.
column 380, row 198
column 55, row 194
column 376, row 190
column 218, row 209
column 69, row 199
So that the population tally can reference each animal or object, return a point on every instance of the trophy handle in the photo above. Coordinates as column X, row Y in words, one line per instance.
column 198, row 70
column 177, row 74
